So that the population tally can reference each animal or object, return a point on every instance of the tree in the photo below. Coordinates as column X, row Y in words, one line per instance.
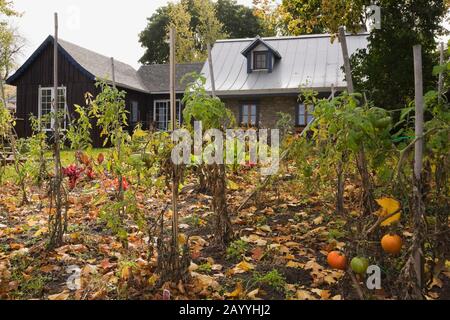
column 269, row 13
column 385, row 70
column 180, row 19
column 154, row 38
column 201, row 20
column 318, row 16
column 10, row 44
column 238, row 20
column 209, row 28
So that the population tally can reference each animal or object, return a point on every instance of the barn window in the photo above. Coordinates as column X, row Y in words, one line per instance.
column 304, row 114
column 249, row 115
column 46, row 107
column 161, row 114
column 260, row 60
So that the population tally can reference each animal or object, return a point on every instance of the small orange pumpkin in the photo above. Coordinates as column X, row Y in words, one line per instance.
column 391, row 243
column 337, row 260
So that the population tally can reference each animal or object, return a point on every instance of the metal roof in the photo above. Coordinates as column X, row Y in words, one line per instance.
column 312, row 61
column 156, row 77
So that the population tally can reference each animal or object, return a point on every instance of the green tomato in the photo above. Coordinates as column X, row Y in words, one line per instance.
column 383, row 123
column 359, row 265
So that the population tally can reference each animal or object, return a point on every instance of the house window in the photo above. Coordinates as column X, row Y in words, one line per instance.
column 304, row 114
column 260, row 60
column 45, row 107
column 161, row 114
column 248, row 114
column 134, row 111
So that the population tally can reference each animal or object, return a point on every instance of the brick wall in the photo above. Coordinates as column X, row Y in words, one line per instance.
column 268, row 108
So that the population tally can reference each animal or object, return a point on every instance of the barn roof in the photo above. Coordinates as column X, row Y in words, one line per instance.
column 311, row 60
column 156, row 76
column 90, row 63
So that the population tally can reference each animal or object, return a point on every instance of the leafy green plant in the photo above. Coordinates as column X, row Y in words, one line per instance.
column 272, row 279
column 205, row 267
column 79, row 132
column 236, row 250
column 212, row 113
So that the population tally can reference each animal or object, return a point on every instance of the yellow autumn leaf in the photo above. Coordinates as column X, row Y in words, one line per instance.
column 59, row 296
column 232, row 185
column 125, row 273
column 236, row 293
column 182, row 239
column 389, row 206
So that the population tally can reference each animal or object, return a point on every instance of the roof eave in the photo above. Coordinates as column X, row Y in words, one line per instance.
column 275, row 91
column 49, row 40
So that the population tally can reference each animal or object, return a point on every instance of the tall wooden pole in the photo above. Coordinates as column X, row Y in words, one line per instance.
column 173, row 119
column 172, row 80
column 211, row 71
column 441, row 74
column 56, row 236
column 418, row 164
column 418, row 85
column 113, row 73
column 348, row 70
column 55, row 84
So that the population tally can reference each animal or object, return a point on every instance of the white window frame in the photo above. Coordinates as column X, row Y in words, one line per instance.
column 304, row 118
column 167, row 102
column 52, row 121
column 250, row 118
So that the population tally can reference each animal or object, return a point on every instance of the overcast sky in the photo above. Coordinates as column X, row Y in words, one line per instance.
column 106, row 26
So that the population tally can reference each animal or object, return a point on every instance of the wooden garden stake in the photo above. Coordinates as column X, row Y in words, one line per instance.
column 211, row 71
column 57, row 228
column 174, row 125
column 418, row 165
column 361, row 160
column 441, row 74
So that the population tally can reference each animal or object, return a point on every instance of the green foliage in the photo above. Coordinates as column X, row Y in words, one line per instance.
column 28, row 286
column 109, row 110
column 6, row 122
column 236, row 250
column 385, row 70
column 321, row 16
column 205, row 20
column 200, row 106
column 272, row 279
column 38, row 146
column 79, row 132
column 238, row 20
column 204, row 268
column 285, row 124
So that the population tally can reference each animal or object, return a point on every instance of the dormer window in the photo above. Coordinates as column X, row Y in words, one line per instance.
column 260, row 60
column 260, row 55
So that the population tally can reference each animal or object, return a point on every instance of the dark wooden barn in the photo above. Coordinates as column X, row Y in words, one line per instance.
column 147, row 90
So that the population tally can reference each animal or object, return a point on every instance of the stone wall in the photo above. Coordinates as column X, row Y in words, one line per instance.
column 268, row 108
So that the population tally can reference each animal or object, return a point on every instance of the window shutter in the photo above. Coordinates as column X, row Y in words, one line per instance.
column 249, row 62
column 269, row 61
column 297, row 122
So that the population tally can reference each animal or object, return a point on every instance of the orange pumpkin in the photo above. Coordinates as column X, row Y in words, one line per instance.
column 337, row 260
column 391, row 243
